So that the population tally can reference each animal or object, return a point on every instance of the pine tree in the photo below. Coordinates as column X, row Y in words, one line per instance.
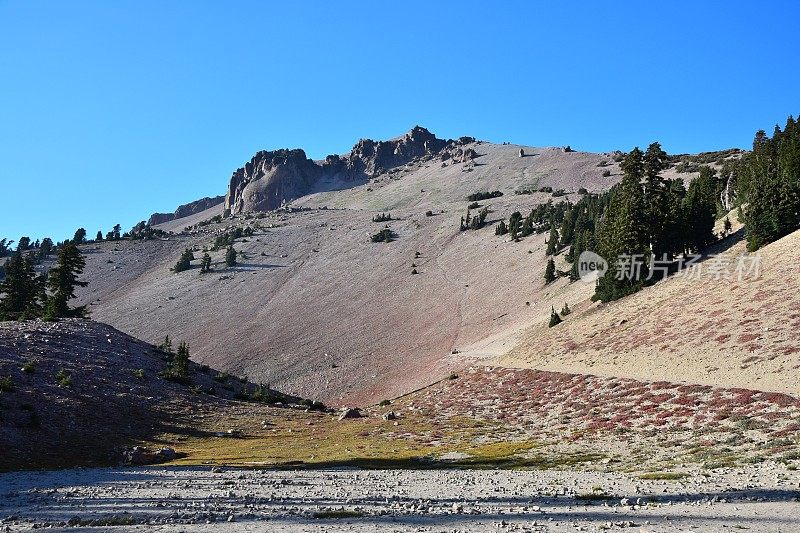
column 23, row 244
column 552, row 241
column 99, row 236
column 623, row 234
column 62, row 281
column 501, row 228
column 22, row 290
column 80, row 236
column 46, row 247
column 565, row 310
column 185, row 261
column 205, row 264
column 550, row 271
column 700, row 206
column 180, row 363
column 768, row 186
column 166, row 346
column 726, row 227
column 230, row 257
column 554, row 318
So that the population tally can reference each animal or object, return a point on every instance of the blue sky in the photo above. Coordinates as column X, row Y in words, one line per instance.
column 112, row 110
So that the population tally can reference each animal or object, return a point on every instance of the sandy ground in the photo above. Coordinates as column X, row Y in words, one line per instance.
column 703, row 327
column 763, row 498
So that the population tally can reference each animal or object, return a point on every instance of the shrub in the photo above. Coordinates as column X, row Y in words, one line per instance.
column 29, row 367
column 452, row 375
column 565, row 310
column 546, row 189
column 606, row 173
column 6, row 384
column 383, row 217
column 384, row 235
column 63, row 379
column 476, row 197
column 473, row 205
column 384, row 403
column 414, row 272
column 139, row 374
column 583, row 190
column 222, row 377
column 428, row 213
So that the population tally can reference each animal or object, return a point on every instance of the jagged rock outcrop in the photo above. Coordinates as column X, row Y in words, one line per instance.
column 271, row 178
column 274, row 177
column 186, row 210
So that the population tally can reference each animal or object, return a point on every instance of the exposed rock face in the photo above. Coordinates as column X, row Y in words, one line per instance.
column 274, row 177
column 269, row 179
column 185, row 210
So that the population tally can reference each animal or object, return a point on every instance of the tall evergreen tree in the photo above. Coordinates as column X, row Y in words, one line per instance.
column 623, row 234
column 22, row 290
column 552, row 241
column 24, row 244
column 46, row 247
column 700, row 207
column 80, row 236
column 205, row 264
column 230, row 257
column 550, row 271
column 768, row 185
column 62, row 281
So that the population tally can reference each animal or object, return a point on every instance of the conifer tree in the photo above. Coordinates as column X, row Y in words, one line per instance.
column 185, row 261
column 550, row 271
column 554, row 318
column 80, row 236
column 21, row 291
column 552, row 241
column 623, row 234
column 62, row 281
column 46, row 247
column 501, row 228
column 180, row 363
column 565, row 310
column 99, row 236
column 205, row 264
column 700, row 206
column 230, row 257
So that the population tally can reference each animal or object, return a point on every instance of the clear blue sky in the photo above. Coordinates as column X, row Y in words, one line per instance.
column 111, row 110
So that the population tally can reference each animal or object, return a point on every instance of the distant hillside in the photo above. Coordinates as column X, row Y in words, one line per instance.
column 185, row 210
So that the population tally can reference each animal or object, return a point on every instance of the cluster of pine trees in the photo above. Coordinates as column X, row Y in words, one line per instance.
column 26, row 294
column 645, row 216
column 474, row 222
column 766, row 185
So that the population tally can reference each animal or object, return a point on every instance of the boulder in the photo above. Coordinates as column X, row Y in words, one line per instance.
column 350, row 412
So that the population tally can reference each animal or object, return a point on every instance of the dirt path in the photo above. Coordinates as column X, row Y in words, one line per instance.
column 756, row 498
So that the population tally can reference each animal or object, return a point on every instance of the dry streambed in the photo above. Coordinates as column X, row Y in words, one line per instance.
column 754, row 498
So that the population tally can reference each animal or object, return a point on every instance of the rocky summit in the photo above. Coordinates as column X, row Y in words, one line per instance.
column 272, row 178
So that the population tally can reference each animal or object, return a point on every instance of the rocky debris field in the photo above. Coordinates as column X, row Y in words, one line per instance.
column 763, row 498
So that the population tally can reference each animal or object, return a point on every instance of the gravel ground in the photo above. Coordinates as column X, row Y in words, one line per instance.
column 757, row 498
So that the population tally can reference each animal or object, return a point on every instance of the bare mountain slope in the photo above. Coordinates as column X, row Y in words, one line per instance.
column 315, row 307
column 328, row 314
column 705, row 328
